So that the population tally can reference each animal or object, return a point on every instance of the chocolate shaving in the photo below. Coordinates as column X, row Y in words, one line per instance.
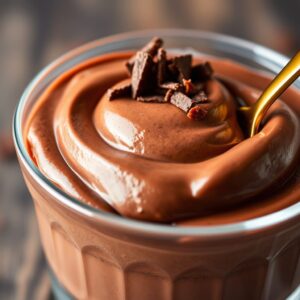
column 202, row 72
column 119, row 92
column 175, row 86
column 180, row 66
column 141, row 73
column 200, row 98
column 197, row 113
column 168, row 95
column 154, row 98
column 161, row 66
column 155, row 78
column 151, row 48
column 181, row 101
column 191, row 106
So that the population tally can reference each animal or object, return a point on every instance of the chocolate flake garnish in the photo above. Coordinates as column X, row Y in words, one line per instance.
column 180, row 66
column 168, row 95
column 197, row 113
column 202, row 72
column 175, row 86
column 200, row 98
column 151, row 48
column 155, row 78
column 188, row 104
column 154, row 98
column 119, row 92
column 161, row 65
column 181, row 101
column 141, row 73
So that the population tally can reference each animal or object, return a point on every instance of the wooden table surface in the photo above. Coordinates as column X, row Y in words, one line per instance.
column 32, row 33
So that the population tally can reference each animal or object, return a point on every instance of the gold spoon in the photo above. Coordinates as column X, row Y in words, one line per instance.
column 255, row 113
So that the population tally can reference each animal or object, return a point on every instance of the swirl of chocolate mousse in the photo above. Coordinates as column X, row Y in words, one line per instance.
column 157, row 137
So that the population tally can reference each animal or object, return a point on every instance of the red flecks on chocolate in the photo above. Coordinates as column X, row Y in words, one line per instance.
column 141, row 74
column 181, row 101
column 151, row 48
column 119, row 92
column 202, row 72
column 154, row 98
column 189, row 87
column 161, row 66
column 197, row 113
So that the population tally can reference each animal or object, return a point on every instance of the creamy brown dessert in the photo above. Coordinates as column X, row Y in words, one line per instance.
column 164, row 142
column 160, row 140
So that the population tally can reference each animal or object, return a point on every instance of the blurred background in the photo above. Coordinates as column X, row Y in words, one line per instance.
column 33, row 33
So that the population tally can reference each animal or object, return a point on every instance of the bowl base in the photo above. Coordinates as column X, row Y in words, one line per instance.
column 60, row 293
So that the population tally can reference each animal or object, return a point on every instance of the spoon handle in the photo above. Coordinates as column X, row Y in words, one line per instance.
column 282, row 81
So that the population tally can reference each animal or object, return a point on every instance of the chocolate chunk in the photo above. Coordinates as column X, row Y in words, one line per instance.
column 202, row 72
column 180, row 66
column 197, row 113
column 181, row 101
column 161, row 66
column 119, row 92
column 154, row 98
column 168, row 95
column 200, row 98
column 154, row 78
column 7, row 149
column 151, row 48
column 141, row 74
column 175, row 86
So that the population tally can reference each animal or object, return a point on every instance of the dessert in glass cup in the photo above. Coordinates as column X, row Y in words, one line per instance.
column 146, row 185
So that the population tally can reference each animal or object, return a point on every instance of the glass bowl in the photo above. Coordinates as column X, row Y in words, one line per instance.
column 98, row 255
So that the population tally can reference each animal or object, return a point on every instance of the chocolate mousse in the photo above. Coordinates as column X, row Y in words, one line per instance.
column 155, row 135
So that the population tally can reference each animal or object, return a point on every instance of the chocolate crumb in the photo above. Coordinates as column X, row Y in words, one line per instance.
column 151, row 48
column 202, row 72
column 200, row 98
column 180, row 66
column 197, row 113
column 181, row 101
column 141, row 73
column 119, row 92
column 155, row 78
column 175, row 86
column 168, row 95
column 161, row 66
column 154, row 98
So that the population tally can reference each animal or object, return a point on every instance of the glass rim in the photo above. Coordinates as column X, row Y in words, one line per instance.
column 242, row 227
